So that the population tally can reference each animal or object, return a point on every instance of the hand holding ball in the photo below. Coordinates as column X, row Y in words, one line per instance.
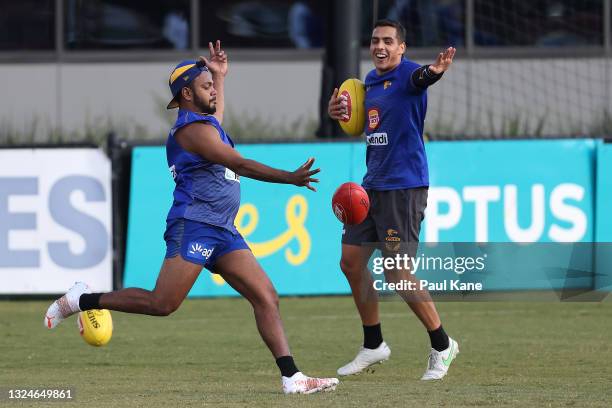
column 353, row 92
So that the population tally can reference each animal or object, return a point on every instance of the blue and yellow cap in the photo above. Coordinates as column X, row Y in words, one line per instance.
column 182, row 75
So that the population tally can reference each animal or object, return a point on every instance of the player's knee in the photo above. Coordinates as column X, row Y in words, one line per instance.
column 275, row 301
column 163, row 307
column 350, row 267
column 392, row 276
column 268, row 299
column 271, row 298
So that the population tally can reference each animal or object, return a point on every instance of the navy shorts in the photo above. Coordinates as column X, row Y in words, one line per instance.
column 394, row 220
column 200, row 243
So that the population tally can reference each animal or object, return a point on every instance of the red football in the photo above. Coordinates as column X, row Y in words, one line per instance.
column 351, row 203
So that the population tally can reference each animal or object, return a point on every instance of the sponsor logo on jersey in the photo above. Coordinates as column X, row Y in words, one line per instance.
column 377, row 139
column 198, row 250
column 230, row 175
column 373, row 118
column 387, row 84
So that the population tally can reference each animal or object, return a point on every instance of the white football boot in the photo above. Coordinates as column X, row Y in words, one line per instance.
column 365, row 358
column 439, row 361
column 299, row 383
column 65, row 306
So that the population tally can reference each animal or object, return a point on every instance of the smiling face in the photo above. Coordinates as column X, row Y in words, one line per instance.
column 386, row 49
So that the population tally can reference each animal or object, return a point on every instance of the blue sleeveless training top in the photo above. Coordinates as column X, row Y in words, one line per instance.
column 205, row 192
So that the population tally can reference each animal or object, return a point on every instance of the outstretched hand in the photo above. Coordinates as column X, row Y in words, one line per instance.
column 443, row 61
column 217, row 62
column 302, row 176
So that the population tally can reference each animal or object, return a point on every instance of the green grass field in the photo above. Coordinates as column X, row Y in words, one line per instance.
column 209, row 353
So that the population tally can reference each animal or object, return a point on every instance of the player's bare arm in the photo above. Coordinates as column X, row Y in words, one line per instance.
column 218, row 66
column 203, row 139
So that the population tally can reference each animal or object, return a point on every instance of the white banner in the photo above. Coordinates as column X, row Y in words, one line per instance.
column 55, row 220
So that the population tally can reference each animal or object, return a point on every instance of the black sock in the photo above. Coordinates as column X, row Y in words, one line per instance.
column 372, row 336
column 89, row 301
column 439, row 339
column 287, row 366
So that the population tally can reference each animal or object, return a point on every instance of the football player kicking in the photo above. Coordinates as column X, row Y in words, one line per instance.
column 200, row 229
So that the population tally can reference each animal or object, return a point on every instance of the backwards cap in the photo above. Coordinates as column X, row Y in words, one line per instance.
column 182, row 75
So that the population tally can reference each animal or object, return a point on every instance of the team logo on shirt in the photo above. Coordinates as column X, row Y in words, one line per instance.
column 373, row 118
column 386, row 84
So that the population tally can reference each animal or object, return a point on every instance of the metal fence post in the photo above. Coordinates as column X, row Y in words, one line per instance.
column 120, row 186
column 341, row 58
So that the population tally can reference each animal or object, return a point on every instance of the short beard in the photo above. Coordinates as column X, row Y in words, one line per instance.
column 202, row 106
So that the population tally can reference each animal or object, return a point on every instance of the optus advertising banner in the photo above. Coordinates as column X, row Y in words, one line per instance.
column 55, row 220
column 510, row 191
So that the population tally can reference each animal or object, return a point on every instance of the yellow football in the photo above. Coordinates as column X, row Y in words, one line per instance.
column 354, row 91
column 96, row 327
